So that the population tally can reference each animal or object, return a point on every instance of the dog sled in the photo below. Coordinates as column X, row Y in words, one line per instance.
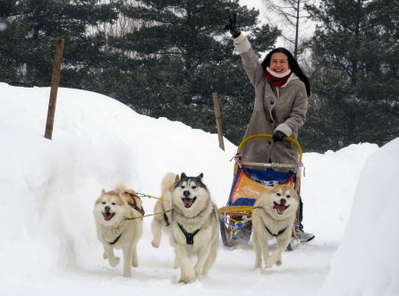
column 251, row 180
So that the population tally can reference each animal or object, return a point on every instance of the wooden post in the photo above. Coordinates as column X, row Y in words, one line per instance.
column 55, row 80
column 218, row 119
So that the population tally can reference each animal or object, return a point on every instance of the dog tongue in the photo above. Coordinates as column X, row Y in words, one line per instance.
column 280, row 209
column 107, row 216
column 187, row 201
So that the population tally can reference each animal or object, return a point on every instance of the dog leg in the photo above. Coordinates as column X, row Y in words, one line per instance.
column 202, row 255
column 176, row 263
column 109, row 254
column 156, row 233
column 282, row 244
column 265, row 250
column 258, row 250
column 211, row 256
column 187, row 273
column 127, row 261
column 258, row 243
column 135, row 260
column 173, row 244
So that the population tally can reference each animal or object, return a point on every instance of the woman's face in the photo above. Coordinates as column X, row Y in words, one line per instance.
column 279, row 62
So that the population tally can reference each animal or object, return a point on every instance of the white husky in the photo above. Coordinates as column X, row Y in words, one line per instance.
column 118, row 215
column 273, row 216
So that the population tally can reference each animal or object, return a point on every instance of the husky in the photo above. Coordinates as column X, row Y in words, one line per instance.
column 118, row 215
column 194, row 228
column 273, row 217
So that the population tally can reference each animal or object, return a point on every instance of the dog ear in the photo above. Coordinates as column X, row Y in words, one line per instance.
column 183, row 176
column 177, row 179
column 200, row 176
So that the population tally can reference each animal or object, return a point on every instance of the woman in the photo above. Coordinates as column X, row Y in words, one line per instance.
column 281, row 101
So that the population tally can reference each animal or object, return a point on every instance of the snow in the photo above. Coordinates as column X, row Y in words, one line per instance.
column 49, row 243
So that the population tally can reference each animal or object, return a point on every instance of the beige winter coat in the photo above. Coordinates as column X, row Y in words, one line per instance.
column 276, row 108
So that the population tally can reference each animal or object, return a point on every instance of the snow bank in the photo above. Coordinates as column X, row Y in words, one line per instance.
column 367, row 261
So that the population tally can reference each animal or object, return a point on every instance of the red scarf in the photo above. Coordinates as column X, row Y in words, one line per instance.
column 276, row 81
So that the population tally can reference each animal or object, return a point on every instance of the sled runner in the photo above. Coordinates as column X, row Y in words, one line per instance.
column 251, row 180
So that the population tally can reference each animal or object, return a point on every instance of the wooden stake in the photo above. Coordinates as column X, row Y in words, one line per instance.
column 218, row 119
column 55, row 81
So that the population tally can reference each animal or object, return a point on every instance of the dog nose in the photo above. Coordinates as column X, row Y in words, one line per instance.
column 186, row 193
column 282, row 201
column 107, row 208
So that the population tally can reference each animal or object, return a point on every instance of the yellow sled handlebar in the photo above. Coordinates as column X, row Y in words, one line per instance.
column 270, row 136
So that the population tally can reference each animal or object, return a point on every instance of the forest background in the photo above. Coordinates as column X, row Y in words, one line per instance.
column 165, row 58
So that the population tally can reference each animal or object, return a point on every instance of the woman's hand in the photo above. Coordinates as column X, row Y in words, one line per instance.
column 232, row 26
column 278, row 136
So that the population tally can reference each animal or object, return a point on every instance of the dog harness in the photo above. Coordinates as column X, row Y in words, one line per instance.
column 115, row 240
column 189, row 236
column 278, row 233
column 166, row 218
column 268, row 230
column 133, row 202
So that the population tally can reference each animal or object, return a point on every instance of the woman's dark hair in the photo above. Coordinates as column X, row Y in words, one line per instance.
column 291, row 62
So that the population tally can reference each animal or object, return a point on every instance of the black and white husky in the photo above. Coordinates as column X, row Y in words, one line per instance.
column 193, row 226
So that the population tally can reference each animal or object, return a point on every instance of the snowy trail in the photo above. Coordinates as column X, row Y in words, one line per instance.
column 303, row 269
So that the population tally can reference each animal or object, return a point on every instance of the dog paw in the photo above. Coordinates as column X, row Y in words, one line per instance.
column 155, row 244
column 273, row 260
column 114, row 261
column 270, row 263
column 187, row 278
column 198, row 271
column 127, row 273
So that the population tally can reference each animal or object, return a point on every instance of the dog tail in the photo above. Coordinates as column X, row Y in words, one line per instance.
column 120, row 188
column 168, row 182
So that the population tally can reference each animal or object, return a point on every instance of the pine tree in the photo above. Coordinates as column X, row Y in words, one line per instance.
column 28, row 43
column 356, row 89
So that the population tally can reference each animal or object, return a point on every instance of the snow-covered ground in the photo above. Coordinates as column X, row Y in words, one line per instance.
column 49, row 244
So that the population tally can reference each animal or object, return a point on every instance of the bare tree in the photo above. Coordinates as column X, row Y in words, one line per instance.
column 291, row 14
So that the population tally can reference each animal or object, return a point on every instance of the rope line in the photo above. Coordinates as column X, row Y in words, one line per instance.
column 147, row 195
column 149, row 215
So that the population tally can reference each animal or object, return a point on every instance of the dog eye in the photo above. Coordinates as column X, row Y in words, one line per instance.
column 288, row 196
column 193, row 187
column 113, row 203
column 103, row 202
column 278, row 194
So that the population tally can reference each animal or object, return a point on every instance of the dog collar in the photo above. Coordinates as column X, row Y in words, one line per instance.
column 189, row 236
column 278, row 233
